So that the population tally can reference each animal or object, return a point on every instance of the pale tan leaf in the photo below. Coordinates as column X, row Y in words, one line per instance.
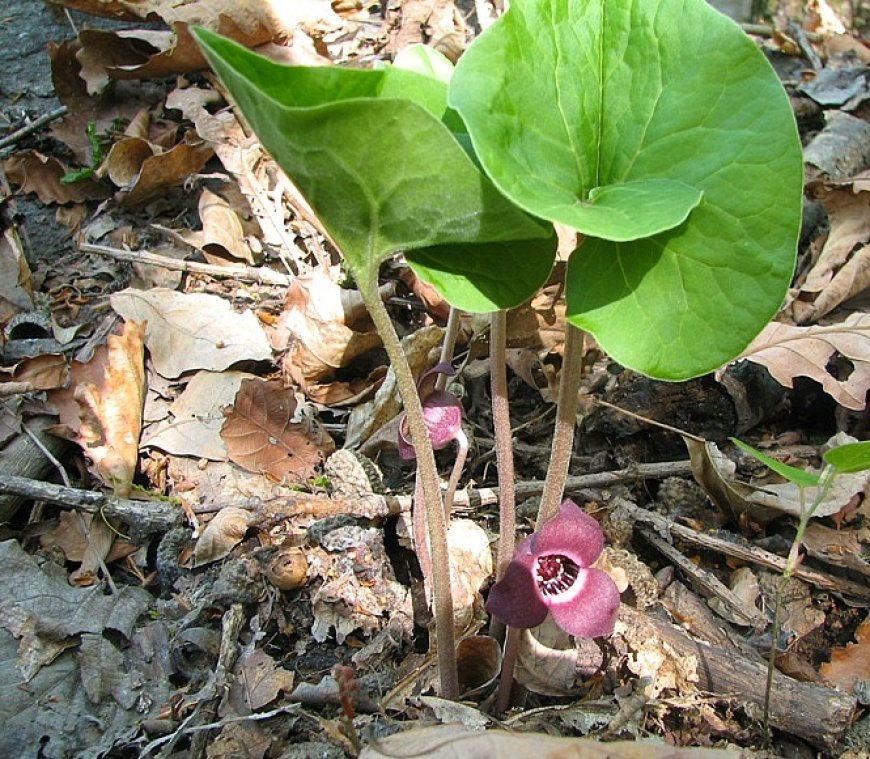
column 471, row 566
column 258, row 681
column 44, row 372
column 459, row 742
column 788, row 352
column 192, row 331
column 261, row 436
column 16, row 289
column 547, row 662
column 223, row 533
column 223, row 236
column 197, row 417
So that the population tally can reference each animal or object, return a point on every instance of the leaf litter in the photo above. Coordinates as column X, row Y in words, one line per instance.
column 239, row 614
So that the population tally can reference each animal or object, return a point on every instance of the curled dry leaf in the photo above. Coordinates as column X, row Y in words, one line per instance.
column 471, row 566
column 44, row 372
column 547, row 661
column 788, row 352
column 316, row 328
column 89, row 549
column 223, row 533
column 140, row 54
column 851, row 664
column 102, row 407
column 262, row 437
column 843, row 268
column 223, row 235
column 34, row 172
column 16, row 288
column 188, row 331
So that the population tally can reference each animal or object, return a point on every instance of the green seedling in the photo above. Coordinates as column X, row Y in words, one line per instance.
column 88, row 172
column 852, row 457
column 654, row 128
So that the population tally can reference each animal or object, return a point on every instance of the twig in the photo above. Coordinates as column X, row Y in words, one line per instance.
column 260, row 274
column 748, row 553
column 33, row 126
column 147, row 516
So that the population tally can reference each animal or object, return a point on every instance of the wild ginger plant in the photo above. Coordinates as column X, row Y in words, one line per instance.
column 655, row 128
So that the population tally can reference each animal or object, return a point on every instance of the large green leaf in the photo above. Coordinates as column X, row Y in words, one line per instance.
column 370, row 153
column 570, row 101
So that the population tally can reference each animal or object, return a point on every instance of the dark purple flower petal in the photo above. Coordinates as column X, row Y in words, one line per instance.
column 571, row 533
column 589, row 607
column 515, row 599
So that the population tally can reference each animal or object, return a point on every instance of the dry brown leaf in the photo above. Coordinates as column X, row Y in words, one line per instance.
column 16, row 289
column 44, row 372
column 851, row 664
column 223, row 236
column 313, row 329
column 845, row 43
column 842, row 548
column 140, row 54
column 34, row 172
column 144, row 170
column 459, row 742
column 194, row 428
column 258, row 681
column 223, row 533
column 261, row 435
column 788, row 352
column 102, row 407
column 89, row 549
column 192, row 331
column 843, row 268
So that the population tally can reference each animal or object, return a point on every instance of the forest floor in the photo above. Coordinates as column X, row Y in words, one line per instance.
column 230, row 572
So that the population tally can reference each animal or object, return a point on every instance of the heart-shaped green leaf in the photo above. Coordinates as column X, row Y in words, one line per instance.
column 561, row 98
column 371, row 155
column 851, row 457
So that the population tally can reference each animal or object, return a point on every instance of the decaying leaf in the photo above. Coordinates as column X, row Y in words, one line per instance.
column 223, row 235
column 317, row 330
column 471, row 566
column 192, row 331
column 851, row 664
column 89, row 548
column 259, row 680
column 716, row 474
column 459, row 742
column 547, row 662
column 225, row 530
column 788, row 352
column 16, row 289
column 43, row 372
column 102, row 407
column 843, row 268
column 197, row 417
column 34, row 172
column 261, row 435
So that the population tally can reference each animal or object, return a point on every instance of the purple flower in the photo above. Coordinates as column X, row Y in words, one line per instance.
column 441, row 410
column 552, row 571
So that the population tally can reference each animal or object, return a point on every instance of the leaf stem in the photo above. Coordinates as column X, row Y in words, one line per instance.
column 442, row 596
column 567, row 407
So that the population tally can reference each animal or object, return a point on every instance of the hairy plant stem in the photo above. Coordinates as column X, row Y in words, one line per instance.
column 825, row 481
column 448, row 345
column 435, row 519
column 567, row 406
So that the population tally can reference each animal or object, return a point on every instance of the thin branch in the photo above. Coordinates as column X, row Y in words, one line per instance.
column 260, row 274
column 33, row 126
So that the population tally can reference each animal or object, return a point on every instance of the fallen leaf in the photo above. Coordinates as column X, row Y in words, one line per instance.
column 194, row 428
column 851, row 664
column 16, row 288
column 262, row 437
column 192, row 331
column 471, row 566
column 843, row 268
column 455, row 741
column 258, row 681
column 102, row 407
column 788, row 352
column 43, row 372
column 34, row 172
column 316, row 331
column 223, row 236
column 547, row 662
column 224, row 532
column 88, row 549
